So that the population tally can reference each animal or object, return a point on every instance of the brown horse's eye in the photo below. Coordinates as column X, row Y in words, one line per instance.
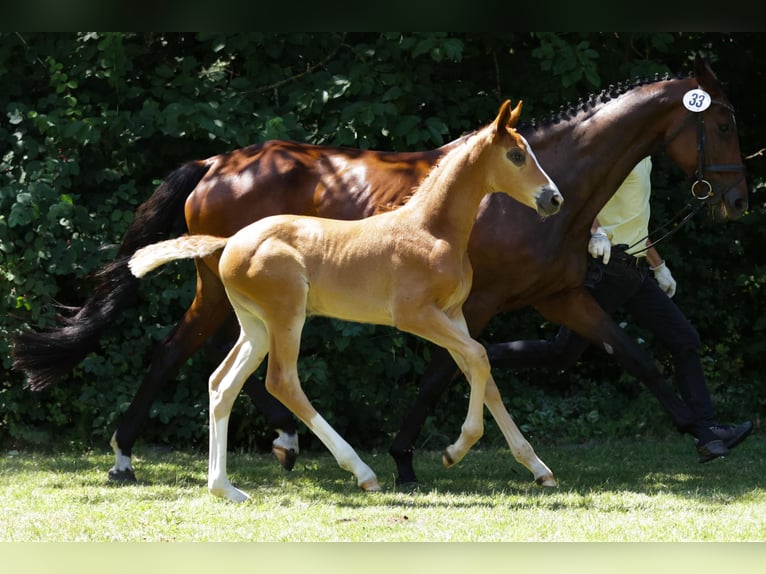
column 724, row 128
column 516, row 155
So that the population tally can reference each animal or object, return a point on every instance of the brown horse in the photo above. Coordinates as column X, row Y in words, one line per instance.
column 588, row 151
column 407, row 268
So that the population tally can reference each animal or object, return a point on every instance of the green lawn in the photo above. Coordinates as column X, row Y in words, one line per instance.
column 616, row 492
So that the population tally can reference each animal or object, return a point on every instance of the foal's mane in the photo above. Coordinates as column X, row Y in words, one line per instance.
column 461, row 148
column 455, row 157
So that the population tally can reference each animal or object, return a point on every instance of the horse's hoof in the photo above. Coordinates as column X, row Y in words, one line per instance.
column 228, row 492
column 285, row 456
column 125, row 475
column 548, row 481
column 371, row 485
column 447, row 459
column 407, row 486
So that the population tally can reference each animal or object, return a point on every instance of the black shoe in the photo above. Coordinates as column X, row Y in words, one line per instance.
column 711, row 450
column 728, row 435
column 732, row 435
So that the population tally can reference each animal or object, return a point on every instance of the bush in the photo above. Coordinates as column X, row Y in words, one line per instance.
column 94, row 121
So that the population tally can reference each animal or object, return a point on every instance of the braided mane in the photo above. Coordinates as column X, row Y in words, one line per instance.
column 570, row 110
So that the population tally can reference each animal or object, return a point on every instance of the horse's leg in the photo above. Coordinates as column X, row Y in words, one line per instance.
column 579, row 311
column 282, row 381
column 481, row 310
column 440, row 373
column 451, row 333
column 224, row 386
column 284, row 447
column 289, row 391
column 201, row 320
column 520, row 448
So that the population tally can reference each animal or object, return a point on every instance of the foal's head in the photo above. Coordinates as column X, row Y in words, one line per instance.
column 514, row 169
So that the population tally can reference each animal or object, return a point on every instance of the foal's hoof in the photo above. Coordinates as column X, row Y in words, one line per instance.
column 547, row 480
column 228, row 492
column 285, row 456
column 125, row 475
column 371, row 485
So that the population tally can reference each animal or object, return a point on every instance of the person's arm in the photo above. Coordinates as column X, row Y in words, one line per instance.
column 653, row 257
column 660, row 270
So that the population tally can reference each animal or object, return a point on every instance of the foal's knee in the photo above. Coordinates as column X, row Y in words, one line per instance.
column 220, row 405
column 478, row 361
column 280, row 385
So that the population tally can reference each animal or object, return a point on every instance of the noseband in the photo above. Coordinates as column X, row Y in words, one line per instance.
column 701, row 188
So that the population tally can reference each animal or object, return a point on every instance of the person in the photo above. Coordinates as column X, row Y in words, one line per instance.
column 622, row 259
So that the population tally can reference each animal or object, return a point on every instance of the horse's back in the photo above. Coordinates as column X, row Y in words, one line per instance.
column 281, row 176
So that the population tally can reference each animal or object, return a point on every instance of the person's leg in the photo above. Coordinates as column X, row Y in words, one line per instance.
column 656, row 312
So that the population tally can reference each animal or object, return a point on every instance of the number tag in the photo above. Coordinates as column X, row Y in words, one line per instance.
column 697, row 100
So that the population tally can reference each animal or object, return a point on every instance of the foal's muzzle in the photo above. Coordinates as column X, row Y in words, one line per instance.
column 549, row 201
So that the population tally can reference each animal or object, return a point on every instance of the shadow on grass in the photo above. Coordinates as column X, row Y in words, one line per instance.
column 484, row 477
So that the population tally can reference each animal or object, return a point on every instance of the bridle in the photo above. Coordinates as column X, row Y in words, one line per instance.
column 701, row 188
column 702, row 167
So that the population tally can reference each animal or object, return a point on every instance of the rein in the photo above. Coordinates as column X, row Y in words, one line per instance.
column 689, row 210
column 685, row 214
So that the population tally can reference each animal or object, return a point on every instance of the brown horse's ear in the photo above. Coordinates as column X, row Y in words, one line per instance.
column 705, row 76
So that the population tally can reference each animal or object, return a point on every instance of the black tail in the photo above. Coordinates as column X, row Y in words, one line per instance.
column 46, row 356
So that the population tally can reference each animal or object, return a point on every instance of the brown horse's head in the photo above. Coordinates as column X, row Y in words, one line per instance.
column 520, row 159
column 709, row 127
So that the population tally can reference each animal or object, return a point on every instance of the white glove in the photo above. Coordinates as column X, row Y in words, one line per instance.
column 599, row 245
column 665, row 279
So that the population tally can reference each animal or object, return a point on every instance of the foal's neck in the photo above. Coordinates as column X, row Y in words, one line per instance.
column 448, row 200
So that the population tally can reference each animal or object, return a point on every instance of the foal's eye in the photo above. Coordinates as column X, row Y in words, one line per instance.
column 516, row 155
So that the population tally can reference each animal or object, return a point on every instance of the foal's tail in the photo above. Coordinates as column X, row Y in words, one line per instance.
column 46, row 356
column 186, row 247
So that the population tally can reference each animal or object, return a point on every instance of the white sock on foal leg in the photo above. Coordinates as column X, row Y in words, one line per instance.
column 217, row 480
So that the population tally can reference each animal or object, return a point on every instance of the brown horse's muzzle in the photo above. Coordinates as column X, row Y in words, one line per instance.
column 727, row 202
column 735, row 203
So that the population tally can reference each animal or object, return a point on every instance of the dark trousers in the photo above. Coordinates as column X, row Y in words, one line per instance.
column 624, row 284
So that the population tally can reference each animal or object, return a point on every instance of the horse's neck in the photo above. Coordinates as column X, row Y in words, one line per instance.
column 448, row 199
column 604, row 145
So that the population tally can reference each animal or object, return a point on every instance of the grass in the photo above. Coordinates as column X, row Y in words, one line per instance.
column 616, row 492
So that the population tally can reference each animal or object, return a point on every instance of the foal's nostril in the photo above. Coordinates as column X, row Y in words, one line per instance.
column 549, row 201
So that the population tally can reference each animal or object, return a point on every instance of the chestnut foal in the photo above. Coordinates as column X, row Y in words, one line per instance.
column 407, row 268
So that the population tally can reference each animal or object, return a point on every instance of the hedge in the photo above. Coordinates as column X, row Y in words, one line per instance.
column 94, row 121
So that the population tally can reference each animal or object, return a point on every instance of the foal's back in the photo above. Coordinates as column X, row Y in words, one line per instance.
column 362, row 270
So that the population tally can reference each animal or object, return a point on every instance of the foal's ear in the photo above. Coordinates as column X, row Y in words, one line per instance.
column 507, row 118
